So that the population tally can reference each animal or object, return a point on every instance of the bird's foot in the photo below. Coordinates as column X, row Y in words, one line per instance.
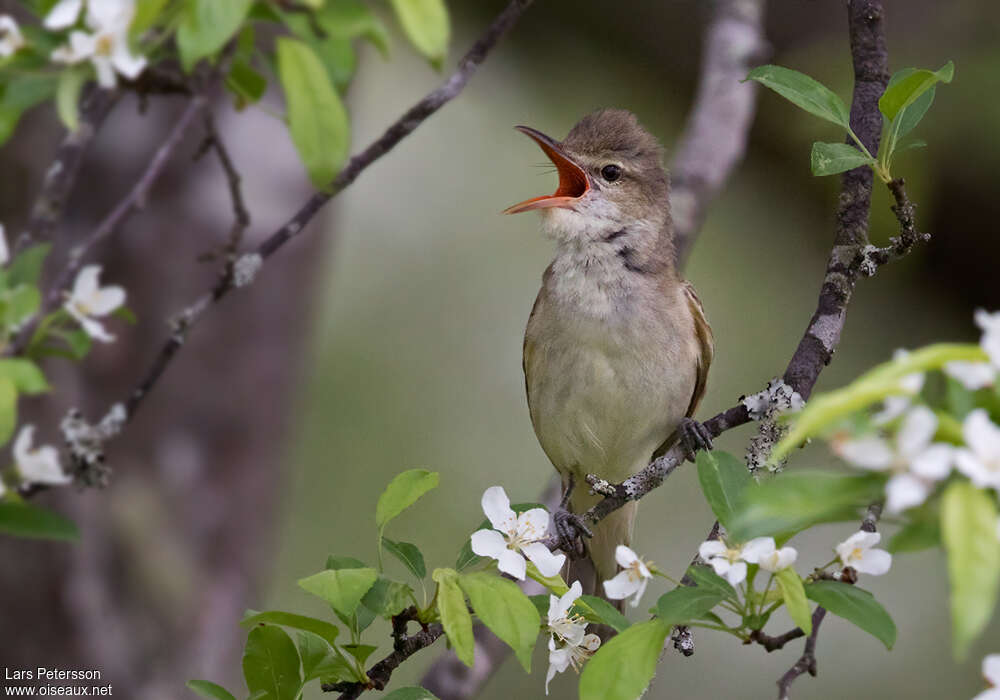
column 570, row 530
column 694, row 436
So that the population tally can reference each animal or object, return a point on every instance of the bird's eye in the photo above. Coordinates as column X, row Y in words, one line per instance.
column 611, row 172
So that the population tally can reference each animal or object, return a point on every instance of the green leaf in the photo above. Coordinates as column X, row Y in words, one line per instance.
column 622, row 668
column 387, row 598
column 361, row 652
column 22, row 302
column 410, row 693
column 793, row 501
column 8, row 409
column 349, row 19
column 506, row 610
column 321, row 660
column 833, row 158
column 205, row 27
column 271, row 664
column 908, row 117
column 916, row 536
column 321, row 628
column 68, row 96
column 246, row 83
column 426, row 24
column 341, row 588
column 856, row 606
column 706, row 579
column 210, row 690
column 25, row 375
column 147, row 12
column 969, row 527
column 804, row 92
column 27, row 520
column 606, row 613
column 795, row 598
column 338, row 562
column 402, row 492
column 26, row 268
column 407, row 553
column 20, row 94
column 455, row 617
column 317, row 120
column 723, row 479
column 909, row 88
column 685, row 603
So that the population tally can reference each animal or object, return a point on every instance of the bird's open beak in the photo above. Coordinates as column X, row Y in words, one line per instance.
column 573, row 183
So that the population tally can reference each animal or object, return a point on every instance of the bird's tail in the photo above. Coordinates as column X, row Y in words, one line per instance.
column 599, row 565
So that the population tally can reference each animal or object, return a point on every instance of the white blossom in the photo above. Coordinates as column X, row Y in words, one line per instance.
column 4, row 250
column 11, row 39
column 777, row 559
column 107, row 46
column 991, row 672
column 88, row 300
column 38, row 465
column 731, row 561
column 971, row 375
column 562, row 656
column 915, row 461
column 980, row 460
column 990, row 340
column 515, row 537
column 562, row 625
column 633, row 578
column 857, row 552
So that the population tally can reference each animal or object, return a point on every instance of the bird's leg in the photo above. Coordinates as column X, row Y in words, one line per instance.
column 570, row 527
column 694, row 436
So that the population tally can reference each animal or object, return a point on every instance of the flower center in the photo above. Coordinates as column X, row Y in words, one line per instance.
column 104, row 45
column 857, row 553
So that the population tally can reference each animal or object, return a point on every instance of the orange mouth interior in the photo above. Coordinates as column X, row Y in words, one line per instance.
column 573, row 182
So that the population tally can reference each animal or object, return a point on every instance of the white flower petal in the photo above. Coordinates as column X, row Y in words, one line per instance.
column 625, row 556
column 105, row 71
column 892, row 408
column 86, row 282
column 621, row 586
column 781, row 559
column 917, row 431
column 978, row 472
column 4, row 250
column 64, row 14
column 982, row 435
column 737, row 572
column 990, row 342
column 547, row 563
column 11, row 40
column 874, row 562
column 94, row 329
column 488, row 543
column 756, row 549
column 972, row 375
column 934, row 463
column 532, row 524
column 905, row 491
column 22, row 445
column 869, row 452
column 559, row 607
column 510, row 562
column 125, row 62
column 709, row 549
column 643, row 582
column 991, row 668
column 496, row 506
column 105, row 300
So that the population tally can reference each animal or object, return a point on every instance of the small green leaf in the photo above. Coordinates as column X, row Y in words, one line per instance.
column 723, row 479
column 804, row 92
column 402, row 492
column 147, row 12
column 795, row 598
column 909, row 88
column 27, row 520
column 606, row 613
column 622, row 668
column 68, row 96
column 25, row 375
column 205, row 27
column 407, row 553
column 341, row 588
column 387, row 598
column 336, row 562
column 361, row 652
column 792, row 501
column 8, row 409
column 455, row 617
column 246, row 83
column 26, row 268
column 321, row 628
column 833, row 158
column 321, row 660
column 20, row 94
column 348, row 19
column 426, row 25
column 856, row 606
column 706, row 579
column 410, row 693
column 685, row 603
column 968, row 528
column 506, row 610
column 317, row 119
column 22, row 301
column 210, row 690
column 271, row 664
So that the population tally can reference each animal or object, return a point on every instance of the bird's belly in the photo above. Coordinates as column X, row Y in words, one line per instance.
column 602, row 403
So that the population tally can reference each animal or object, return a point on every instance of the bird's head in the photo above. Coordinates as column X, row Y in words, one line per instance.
column 610, row 178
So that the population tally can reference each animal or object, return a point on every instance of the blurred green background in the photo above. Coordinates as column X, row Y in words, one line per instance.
column 416, row 356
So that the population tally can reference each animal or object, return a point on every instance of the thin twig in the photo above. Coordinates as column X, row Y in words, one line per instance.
column 805, row 663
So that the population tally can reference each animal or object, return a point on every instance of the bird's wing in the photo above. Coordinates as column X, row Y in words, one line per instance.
column 706, row 344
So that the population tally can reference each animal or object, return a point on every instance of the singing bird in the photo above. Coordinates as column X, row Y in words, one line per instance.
column 617, row 348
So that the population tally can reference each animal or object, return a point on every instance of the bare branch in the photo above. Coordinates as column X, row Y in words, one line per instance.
column 805, row 663
column 60, row 177
column 715, row 136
